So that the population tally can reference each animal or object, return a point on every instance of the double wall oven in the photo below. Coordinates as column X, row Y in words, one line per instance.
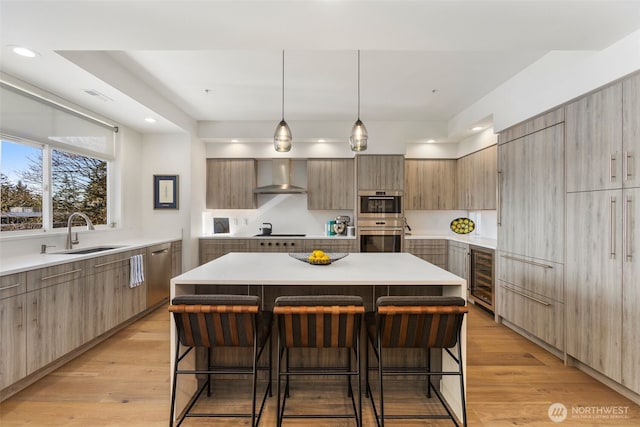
column 380, row 221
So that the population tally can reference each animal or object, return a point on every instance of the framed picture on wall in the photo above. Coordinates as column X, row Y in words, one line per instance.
column 165, row 191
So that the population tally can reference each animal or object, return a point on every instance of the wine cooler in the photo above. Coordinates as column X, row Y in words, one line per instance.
column 482, row 277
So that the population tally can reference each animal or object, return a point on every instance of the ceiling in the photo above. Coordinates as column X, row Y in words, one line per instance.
column 187, row 61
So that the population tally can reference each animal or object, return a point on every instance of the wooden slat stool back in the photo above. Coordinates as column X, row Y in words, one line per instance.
column 428, row 322
column 209, row 321
column 328, row 321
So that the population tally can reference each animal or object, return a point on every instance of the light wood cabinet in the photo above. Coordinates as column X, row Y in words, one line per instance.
column 431, row 250
column 429, row 184
column 13, row 320
column 380, row 172
column 176, row 258
column 631, row 290
column 54, row 321
column 631, row 131
column 594, row 280
column 594, row 141
column 330, row 184
column 476, row 180
column 531, row 189
column 210, row 249
column 458, row 259
column 230, row 183
column 536, row 315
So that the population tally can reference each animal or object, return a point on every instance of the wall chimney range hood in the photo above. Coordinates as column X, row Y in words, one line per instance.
column 280, row 180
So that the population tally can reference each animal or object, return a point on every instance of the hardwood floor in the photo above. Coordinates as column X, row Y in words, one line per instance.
column 125, row 382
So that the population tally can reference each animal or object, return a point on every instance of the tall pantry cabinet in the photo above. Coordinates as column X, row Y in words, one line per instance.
column 530, row 256
column 603, row 219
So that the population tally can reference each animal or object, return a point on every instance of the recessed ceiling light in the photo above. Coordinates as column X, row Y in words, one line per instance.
column 430, row 141
column 477, row 128
column 234, row 140
column 150, row 120
column 322, row 140
column 23, row 51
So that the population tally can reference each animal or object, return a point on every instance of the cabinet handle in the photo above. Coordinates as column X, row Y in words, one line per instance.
column 628, row 174
column 546, row 304
column 15, row 285
column 53, row 276
column 20, row 318
column 627, row 230
column 526, row 261
column 612, row 227
column 499, row 204
column 161, row 251
column 35, row 311
column 612, row 168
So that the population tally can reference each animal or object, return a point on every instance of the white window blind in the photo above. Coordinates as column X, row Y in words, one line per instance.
column 30, row 117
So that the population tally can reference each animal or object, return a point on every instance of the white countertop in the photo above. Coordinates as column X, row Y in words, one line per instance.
column 355, row 269
column 18, row 264
column 463, row 238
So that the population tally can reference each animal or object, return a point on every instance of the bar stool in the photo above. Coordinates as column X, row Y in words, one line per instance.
column 208, row 321
column 319, row 322
column 428, row 322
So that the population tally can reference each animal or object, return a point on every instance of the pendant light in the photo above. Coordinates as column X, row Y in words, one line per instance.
column 359, row 135
column 282, row 137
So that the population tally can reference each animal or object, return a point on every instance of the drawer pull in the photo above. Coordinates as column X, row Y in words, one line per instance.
column 15, row 285
column 53, row 276
column 526, row 261
column 546, row 304
column 112, row 262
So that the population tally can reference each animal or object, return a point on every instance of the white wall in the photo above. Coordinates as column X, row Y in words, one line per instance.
column 553, row 80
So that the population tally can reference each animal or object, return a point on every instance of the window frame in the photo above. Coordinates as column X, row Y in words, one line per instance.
column 47, row 197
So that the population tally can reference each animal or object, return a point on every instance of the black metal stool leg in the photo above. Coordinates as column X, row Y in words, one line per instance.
column 429, row 370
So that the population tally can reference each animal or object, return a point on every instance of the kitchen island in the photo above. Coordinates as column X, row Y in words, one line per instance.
column 368, row 275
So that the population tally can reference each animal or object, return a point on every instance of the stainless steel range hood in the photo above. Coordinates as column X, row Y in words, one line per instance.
column 280, row 179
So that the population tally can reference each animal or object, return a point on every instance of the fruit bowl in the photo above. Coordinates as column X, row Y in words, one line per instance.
column 327, row 259
column 462, row 226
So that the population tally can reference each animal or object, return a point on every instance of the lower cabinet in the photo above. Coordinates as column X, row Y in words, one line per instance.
column 458, row 260
column 540, row 316
column 431, row 250
column 54, row 322
column 331, row 245
column 13, row 322
column 211, row 249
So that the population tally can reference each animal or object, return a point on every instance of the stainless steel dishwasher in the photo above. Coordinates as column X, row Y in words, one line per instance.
column 158, row 273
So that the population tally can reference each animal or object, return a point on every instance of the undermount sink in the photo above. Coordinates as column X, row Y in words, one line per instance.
column 83, row 251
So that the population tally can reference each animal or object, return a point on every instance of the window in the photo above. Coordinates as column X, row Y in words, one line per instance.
column 21, row 192
column 78, row 183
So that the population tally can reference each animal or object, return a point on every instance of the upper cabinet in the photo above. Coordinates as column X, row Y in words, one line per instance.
column 330, row 184
column 429, row 184
column 477, row 174
column 380, row 172
column 230, row 183
column 594, row 141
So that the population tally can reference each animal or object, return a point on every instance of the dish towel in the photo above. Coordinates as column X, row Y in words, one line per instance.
column 137, row 271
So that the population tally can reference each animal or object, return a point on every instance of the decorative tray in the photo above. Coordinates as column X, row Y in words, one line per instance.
column 462, row 225
column 318, row 257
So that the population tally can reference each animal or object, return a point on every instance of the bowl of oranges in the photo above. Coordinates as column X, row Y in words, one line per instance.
column 318, row 257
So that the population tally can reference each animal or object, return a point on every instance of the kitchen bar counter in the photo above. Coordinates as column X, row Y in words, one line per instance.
column 484, row 242
column 276, row 236
column 369, row 275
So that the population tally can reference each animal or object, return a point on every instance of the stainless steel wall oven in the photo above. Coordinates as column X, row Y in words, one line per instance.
column 382, row 235
column 379, row 204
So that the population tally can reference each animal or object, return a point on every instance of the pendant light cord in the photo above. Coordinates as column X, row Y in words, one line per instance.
column 358, row 84
column 283, row 84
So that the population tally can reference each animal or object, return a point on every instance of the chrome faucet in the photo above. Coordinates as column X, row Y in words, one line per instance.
column 71, row 242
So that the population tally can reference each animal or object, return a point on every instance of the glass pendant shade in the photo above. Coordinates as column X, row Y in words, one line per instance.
column 359, row 136
column 282, row 137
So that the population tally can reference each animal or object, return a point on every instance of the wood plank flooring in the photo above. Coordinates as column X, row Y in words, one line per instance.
column 125, row 382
